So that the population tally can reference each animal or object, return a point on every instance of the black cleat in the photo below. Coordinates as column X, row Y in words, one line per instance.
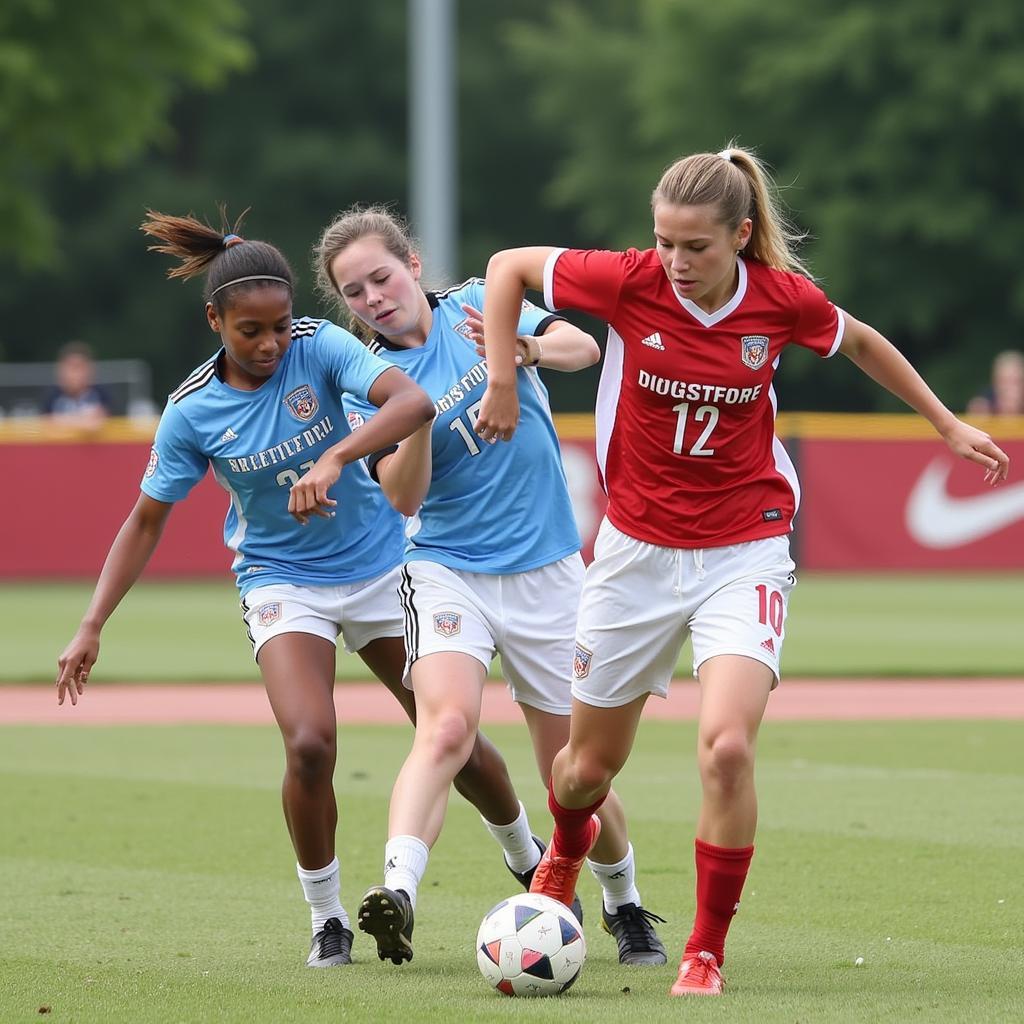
column 386, row 914
column 632, row 927
column 332, row 945
column 526, row 877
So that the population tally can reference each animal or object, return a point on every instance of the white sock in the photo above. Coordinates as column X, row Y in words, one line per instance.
column 516, row 839
column 405, row 862
column 618, row 881
column 323, row 893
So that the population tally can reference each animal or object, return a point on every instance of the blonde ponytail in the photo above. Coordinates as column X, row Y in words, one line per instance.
column 738, row 184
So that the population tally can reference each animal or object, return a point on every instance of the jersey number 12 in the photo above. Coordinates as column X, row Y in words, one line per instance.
column 704, row 412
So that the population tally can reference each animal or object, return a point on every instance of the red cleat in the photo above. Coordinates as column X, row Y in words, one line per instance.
column 699, row 976
column 556, row 875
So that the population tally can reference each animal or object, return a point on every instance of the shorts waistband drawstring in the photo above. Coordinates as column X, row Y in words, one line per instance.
column 698, row 562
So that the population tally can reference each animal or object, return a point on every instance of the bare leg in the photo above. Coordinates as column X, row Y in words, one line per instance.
column 734, row 693
column 484, row 779
column 550, row 733
column 298, row 672
column 600, row 740
column 448, row 691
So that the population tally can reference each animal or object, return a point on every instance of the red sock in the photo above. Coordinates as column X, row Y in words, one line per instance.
column 721, row 873
column 572, row 834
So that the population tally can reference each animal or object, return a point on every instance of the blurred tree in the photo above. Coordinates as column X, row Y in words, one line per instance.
column 316, row 122
column 306, row 128
column 895, row 129
column 88, row 85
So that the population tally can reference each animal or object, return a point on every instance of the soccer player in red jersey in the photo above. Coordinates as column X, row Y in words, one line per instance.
column 701, row 496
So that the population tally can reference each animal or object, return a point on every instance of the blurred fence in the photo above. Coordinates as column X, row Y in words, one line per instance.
column 879, row 493
column 127, row 383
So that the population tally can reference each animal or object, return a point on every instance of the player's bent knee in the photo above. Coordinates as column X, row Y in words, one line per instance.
column 311, row 755
column 590, row 771
column 728, row 758
column 450, row 738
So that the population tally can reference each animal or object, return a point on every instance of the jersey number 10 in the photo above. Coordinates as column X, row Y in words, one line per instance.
column 770, row 608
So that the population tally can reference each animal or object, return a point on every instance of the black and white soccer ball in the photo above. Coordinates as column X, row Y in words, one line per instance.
column 530, row 945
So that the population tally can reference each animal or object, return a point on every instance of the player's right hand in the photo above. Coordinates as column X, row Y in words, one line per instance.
column 308, row 497
column 74, row 665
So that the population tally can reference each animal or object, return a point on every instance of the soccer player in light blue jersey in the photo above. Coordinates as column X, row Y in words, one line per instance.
column 492, row 562
column 316, row 547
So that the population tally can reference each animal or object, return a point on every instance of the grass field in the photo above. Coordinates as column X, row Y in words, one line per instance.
column 964, row 625
column 147, row 877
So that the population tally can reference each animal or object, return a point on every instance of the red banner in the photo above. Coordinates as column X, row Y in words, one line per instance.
column 69, row 500
column 867, row 504
column 884, row 504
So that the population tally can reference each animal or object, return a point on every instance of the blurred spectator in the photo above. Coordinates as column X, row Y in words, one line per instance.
column 1006, row 395
column 77, row 400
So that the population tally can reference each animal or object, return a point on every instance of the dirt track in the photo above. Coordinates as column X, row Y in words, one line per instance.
column 365, row 703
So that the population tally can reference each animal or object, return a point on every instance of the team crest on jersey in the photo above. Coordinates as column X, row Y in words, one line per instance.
column 581, row 659
column 302, row 403
column 463, row 328
column 754, row 350
column 355, row 420
column 154, row 461
column 267, row 614
column 447, row 623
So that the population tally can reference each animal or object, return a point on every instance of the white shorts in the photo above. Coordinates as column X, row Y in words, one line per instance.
column 529, row 618
column 641, row 601
column 359, row 612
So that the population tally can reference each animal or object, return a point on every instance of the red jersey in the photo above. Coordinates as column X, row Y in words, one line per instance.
column 686, row 439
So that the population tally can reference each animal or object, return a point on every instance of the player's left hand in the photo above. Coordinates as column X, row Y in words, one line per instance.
column 527, row 346
column 308, row 497
column 971, row 443
column 499, row 413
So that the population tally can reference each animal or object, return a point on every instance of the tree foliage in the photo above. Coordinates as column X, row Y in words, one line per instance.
column 894, row 129
column 88, row 85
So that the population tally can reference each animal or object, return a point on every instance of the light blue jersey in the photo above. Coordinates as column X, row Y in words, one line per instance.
column 260, row 442
column 501, row 508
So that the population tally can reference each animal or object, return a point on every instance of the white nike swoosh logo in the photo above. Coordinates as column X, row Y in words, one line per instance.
column 935, row 519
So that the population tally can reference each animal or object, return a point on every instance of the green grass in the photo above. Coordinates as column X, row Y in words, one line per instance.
column 147, row 877
column 935, row 625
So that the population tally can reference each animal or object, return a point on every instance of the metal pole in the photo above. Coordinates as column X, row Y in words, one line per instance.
column 432, row 120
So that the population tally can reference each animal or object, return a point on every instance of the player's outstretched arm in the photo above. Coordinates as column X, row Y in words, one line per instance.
column 564, row 346
column 883, row 362
column 509, row 274
column 404, row 408
column 128, row 555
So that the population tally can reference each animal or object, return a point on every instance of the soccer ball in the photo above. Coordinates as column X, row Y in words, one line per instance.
column 530, row 945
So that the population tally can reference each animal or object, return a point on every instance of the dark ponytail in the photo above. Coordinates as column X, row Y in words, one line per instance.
column 232, row 264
